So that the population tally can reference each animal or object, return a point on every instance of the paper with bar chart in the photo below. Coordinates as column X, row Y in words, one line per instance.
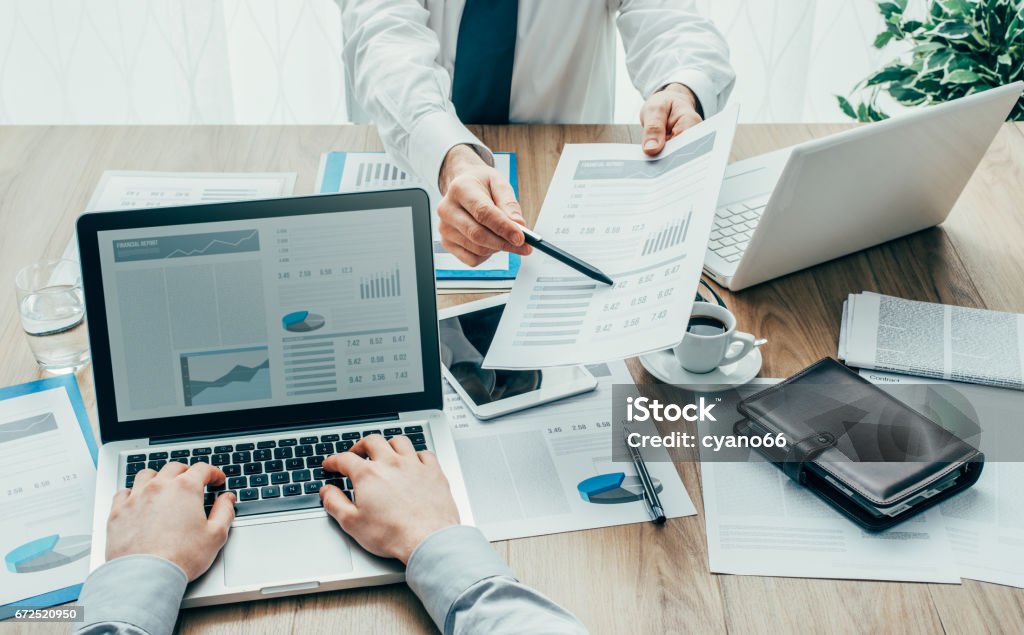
column 373, row 171
column 47, row 480
column 645, row 222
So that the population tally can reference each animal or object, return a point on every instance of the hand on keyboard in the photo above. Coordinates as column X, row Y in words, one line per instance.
column 401, row 496
column 162, row 515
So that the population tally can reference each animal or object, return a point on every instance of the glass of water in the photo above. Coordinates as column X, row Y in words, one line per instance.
column 52, row 309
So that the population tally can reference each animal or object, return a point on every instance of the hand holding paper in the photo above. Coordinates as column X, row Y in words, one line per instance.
column 644, row 222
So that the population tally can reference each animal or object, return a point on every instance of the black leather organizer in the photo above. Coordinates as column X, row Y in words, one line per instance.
column 867, row 454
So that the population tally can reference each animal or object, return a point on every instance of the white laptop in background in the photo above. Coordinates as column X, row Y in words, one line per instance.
column 262, row 337
column 801, row 206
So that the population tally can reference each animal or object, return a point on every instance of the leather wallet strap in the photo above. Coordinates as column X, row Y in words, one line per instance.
column 804, row 450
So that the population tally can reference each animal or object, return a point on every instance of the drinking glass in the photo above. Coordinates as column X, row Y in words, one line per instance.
column 52, row 309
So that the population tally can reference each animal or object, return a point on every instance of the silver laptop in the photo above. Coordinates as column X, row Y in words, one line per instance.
column 262, row 337
column 798, row 207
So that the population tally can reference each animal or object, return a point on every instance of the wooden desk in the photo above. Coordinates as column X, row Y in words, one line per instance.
column 661, row 579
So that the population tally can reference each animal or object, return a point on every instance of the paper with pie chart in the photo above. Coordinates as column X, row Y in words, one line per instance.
column 47, row 480
column 549, row 469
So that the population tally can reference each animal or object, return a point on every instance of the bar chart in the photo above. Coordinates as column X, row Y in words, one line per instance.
column 668, row 236
column 386, row 284
column 380, row 174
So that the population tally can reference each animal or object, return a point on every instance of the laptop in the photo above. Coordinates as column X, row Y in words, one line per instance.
column 262, row 337
column 801, row 206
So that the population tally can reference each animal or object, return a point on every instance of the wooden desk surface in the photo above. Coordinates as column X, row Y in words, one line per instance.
column 636, row 578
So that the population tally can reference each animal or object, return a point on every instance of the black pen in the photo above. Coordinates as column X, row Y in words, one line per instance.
column 536, row 241
column 650, row 494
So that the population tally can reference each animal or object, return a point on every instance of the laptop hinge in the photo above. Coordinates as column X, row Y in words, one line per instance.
column 158, row 440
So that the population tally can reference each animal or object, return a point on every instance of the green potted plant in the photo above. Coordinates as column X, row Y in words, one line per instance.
column 961, row 47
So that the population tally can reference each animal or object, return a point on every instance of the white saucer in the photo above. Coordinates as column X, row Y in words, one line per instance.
column 665, row 367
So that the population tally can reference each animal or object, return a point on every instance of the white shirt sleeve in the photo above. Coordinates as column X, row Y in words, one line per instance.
column 391, row 55
column 668, row 41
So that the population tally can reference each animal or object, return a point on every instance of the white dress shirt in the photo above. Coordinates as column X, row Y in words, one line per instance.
column 400, row 56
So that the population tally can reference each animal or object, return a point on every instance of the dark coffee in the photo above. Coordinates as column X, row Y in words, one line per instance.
column 704, row 325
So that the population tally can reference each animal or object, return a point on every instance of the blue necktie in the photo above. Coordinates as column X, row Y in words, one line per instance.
column 484, row 54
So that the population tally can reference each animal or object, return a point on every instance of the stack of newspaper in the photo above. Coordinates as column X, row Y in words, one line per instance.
column 933, row 340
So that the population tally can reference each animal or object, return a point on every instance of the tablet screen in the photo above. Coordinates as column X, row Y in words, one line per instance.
column 464, row 342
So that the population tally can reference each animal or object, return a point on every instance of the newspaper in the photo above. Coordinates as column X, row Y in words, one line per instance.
column 976, row 346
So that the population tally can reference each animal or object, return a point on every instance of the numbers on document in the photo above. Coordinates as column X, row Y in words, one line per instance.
column 580, row 427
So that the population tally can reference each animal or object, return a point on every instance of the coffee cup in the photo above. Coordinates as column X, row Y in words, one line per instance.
column 711, row 339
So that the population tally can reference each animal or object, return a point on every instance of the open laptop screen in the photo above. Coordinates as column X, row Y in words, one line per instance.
column 242, row 314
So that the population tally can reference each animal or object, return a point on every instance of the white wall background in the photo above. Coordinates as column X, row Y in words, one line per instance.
column 278, row 61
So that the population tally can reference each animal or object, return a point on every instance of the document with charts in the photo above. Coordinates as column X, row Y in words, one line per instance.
column 985, row 524
column 760, row 522
column 375, row 171
column 645, row 222
column 47, row 481
column 119, row 189
column 527, row 473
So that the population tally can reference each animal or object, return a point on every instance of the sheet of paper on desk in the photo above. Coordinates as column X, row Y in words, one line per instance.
column 759, row 522
column 47, row 480
column 374, row 171
column 139, row 190
column 643, row 222
column 935, row 340
column 985, row 523
column 522, row 470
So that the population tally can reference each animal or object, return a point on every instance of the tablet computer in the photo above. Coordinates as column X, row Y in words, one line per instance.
column 466, row 333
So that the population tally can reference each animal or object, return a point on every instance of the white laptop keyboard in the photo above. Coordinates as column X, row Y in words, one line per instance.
column 734, row 225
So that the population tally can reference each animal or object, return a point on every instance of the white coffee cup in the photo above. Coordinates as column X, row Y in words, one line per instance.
column 704, row 353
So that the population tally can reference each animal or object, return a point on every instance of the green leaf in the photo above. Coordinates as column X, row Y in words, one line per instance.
column 1004, row 60
column 846, row 107
column 889, row 74
column 890, row 9
column 961, row 76
column 955, row 29
column 862, row 112
column 956, row 7
column 912, row 25
column 883, row 38
column 928, row 47
column 908, row 96
column 937, row 61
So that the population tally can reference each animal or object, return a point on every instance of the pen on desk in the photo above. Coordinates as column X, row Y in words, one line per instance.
column 537, row 242
column 650, row 494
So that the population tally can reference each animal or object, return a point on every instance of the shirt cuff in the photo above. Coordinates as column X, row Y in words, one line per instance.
column 447, row 564
column 431, row 139
column 702, row 87
column 144, row 591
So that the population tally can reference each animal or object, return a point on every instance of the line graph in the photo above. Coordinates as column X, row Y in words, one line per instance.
column 225, row 376
column 216, row 242
column 187, row 246
column 27, row 427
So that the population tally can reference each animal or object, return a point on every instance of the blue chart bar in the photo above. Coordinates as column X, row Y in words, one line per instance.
column 381, row 285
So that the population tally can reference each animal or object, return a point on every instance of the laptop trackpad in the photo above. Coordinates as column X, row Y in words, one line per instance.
column 286, row 552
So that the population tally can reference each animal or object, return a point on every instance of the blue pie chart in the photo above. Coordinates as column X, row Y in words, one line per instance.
column 614, row 488
column 302, row 321
column 45, row 553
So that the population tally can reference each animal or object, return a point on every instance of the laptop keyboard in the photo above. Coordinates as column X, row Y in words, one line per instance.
column 270, row 475
column 734, row 225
